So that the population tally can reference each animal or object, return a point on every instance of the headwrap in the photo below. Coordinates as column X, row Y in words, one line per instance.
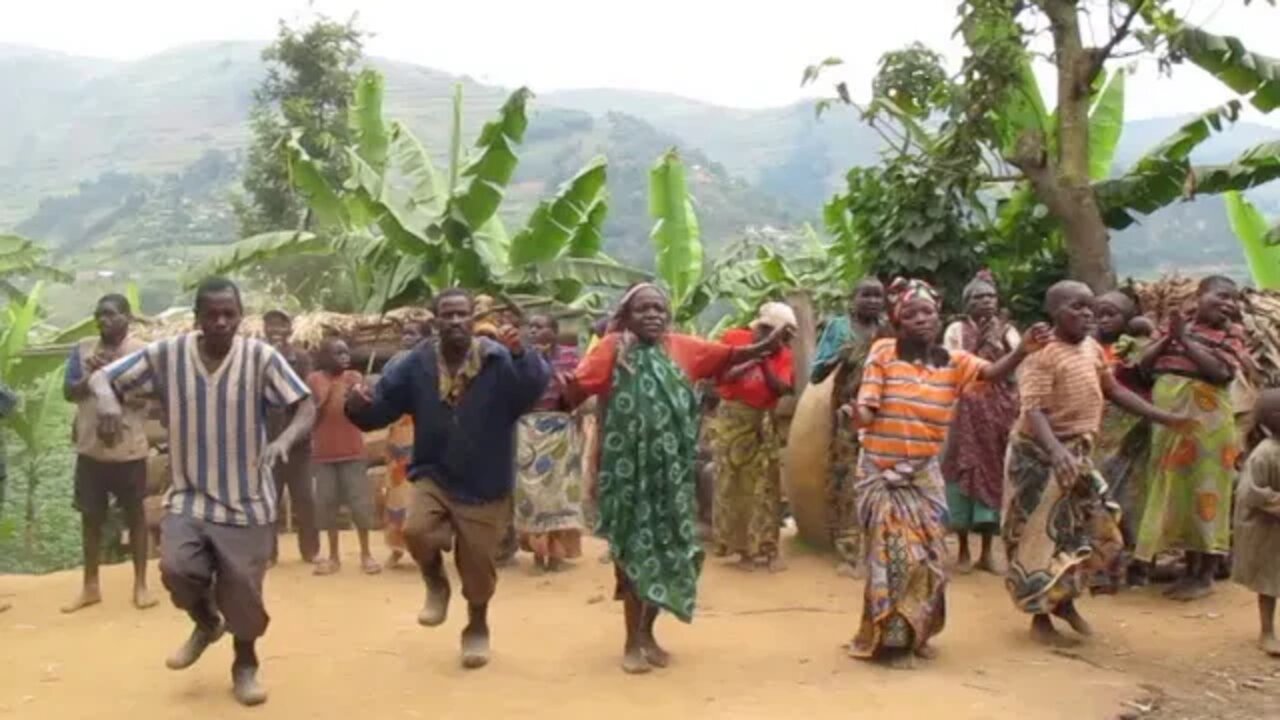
column 617, row 319
column 983, row 281
column 903, row 290
column 775, row 315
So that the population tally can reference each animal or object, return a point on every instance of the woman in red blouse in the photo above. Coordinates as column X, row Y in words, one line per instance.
column 747, row 511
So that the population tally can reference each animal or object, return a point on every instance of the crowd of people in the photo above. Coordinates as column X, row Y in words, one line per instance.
column 1093, row 446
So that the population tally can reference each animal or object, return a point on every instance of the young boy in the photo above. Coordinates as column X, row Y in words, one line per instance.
column 102, row 470
column 1063, row 390
column 1256, row 555
column 338, row 456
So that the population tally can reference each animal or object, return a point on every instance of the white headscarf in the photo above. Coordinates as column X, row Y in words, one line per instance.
column 775, row 315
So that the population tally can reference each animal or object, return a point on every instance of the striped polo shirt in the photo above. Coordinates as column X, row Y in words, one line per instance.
column 913, row 402
column 1064, row 381
column 217, row 422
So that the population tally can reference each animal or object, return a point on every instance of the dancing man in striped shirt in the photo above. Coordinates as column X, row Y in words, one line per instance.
column 215, row 386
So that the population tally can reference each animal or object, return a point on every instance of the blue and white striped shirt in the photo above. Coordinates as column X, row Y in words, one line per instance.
column 216, row 421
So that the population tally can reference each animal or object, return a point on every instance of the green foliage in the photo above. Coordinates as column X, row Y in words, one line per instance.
column 301, row 105
column 1250, row 74
column 1106, row 123
column 913, row 79
column 1250, row 227
column 23, row 260
column 677, row 241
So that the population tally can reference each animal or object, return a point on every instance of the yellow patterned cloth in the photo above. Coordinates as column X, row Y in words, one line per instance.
column 453, row 385
column 747, row 511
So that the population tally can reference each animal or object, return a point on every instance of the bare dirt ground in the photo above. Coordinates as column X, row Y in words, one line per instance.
column 762, row 646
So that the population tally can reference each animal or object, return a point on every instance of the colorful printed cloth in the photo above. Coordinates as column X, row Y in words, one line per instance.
column 1056, row 534
column 1189, row 477
column 902, row 510
column 747, row 511
column 973, row 461
column 453, row 385
column 548, row 493
column 398, row 492
column 647, row 494
column 842, row 499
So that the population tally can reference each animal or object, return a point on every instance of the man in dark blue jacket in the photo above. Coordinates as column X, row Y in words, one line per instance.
column 465, row 395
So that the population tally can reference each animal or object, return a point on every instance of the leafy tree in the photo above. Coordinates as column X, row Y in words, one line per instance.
column 23, row 260
column 310, row 77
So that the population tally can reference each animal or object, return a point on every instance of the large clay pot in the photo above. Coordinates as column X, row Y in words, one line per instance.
column 805, row 461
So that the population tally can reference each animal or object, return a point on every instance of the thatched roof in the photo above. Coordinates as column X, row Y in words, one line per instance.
column 308, row 328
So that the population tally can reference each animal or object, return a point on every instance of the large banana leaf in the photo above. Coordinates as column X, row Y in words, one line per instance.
column 485, row 177
column 1250, row 228
column 588, row 238
column 307, row 178
column 1162, row 174
column 1250, row 74
column 675, row 231
column 555, row 222
column 428, row 190
column 365, row 120
column 21, row 318
column 589, row 272
column 258, row 249
column 29, row 421
column 1106, row 122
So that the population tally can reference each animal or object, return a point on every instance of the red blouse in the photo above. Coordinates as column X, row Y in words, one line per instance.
column 699, row 359
column 751, row 389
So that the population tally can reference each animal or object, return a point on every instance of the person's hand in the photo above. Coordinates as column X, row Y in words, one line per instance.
column 846, row 413
column 509, row 335
column 96, row 362
column 1177, row 325
column 1183, row 424
column 1038, row 336
column 1066, row 468
column 359, row 397
column 276, row 452
column 109, row 424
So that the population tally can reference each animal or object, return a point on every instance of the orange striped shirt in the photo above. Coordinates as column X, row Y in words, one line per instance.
column 913, row 402
column 1064, row 381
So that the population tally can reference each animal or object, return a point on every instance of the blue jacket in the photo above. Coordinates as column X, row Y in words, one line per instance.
column 469, row 451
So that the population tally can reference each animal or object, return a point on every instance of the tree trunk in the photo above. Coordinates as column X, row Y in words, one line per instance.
column 29, row 532
column 1065, row 187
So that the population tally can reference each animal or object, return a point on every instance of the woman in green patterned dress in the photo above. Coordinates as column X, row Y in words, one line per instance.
column 1190, row 477
column 646, row 480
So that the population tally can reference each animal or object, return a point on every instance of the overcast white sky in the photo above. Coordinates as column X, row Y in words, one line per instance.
column 738, row 53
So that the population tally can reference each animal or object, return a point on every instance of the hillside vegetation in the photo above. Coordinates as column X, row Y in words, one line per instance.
column 119, row 164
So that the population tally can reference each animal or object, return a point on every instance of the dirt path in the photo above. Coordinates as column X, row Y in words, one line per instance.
column 763, row 646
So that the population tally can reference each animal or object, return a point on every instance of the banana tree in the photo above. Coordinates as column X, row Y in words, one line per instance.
column 1250, row 227
column 38, row 381
column 410, row 229
column 24, row 260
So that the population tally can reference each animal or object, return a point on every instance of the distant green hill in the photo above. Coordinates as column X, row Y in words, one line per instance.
column 131, row 165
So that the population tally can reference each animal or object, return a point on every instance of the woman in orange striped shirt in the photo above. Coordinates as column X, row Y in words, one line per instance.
column 909, row 390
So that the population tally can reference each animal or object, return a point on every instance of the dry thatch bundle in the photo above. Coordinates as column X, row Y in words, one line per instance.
column 309, row 329
column 1260, row 314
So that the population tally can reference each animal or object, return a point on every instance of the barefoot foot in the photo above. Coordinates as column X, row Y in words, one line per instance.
column 1043, row 632
column 653, row 653
column 1195, row 591
column 634, row 662
column 964, row 565
column 369, row 566
column 926, row 652
column 142, row 598
column 1269, row 645
column 393, row 560
column 1075, row 620
column 326, row 567
column 88, row 597
column 988, row 565
column 899, row 660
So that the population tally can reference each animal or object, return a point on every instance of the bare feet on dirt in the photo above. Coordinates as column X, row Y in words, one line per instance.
column 475, row 648
column 143, row 599
column 327, row 567
column 369, row 566
column 88, row 597
column 964, row 565
column 989, row 565
column 653, row 653
column 634, row 662
column 852, row 572
column 926, row 652
column 1075, row 620
column 1043, row 632
column 393, row 560
column 1270, row 645
column 1195, row 590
